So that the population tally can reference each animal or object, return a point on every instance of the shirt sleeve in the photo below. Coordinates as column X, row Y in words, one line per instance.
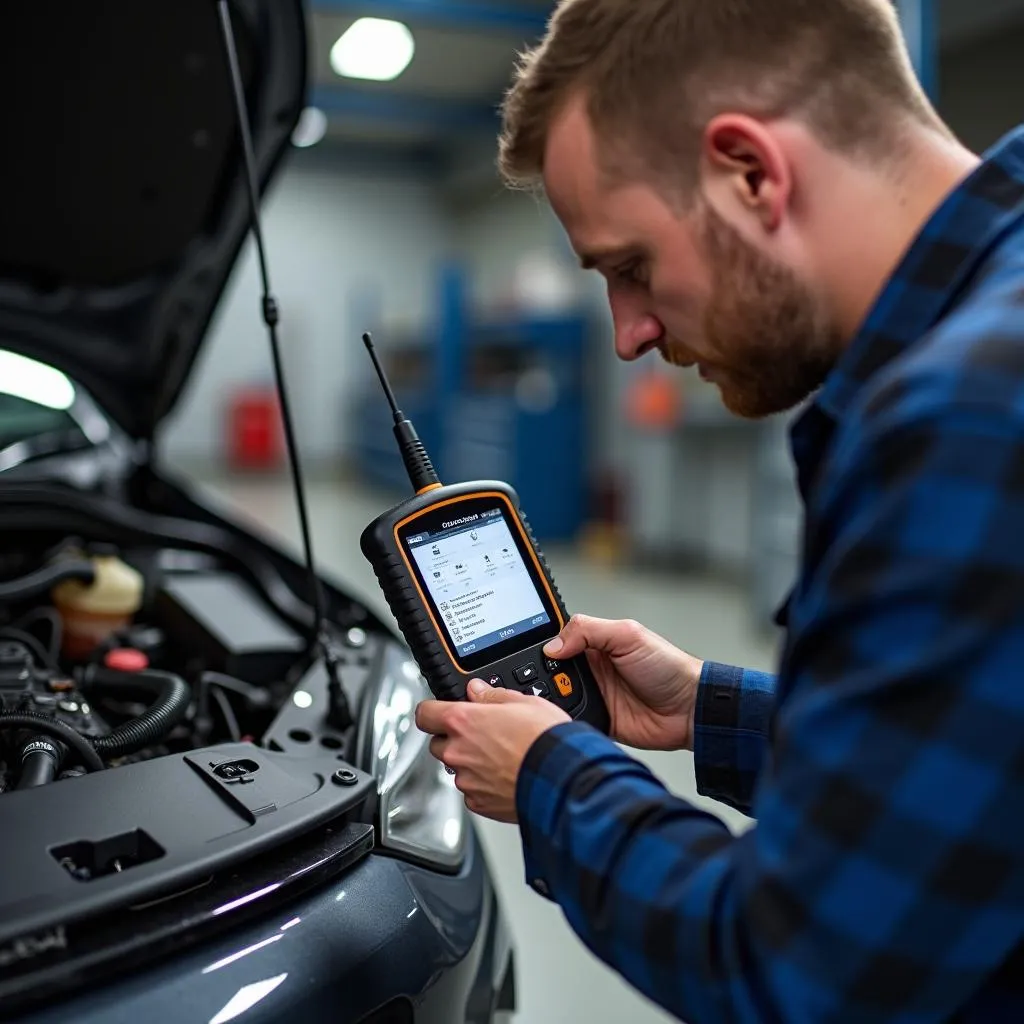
column 884, row 880
column 730, row 734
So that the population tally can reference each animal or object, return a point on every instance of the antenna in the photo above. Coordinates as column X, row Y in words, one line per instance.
column 422, row 474
column 384, row 382
column 339, row 713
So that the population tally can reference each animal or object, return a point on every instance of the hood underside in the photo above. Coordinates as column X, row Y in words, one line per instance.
column 124, row 202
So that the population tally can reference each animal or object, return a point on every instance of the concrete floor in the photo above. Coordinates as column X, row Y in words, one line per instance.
column 559, row 980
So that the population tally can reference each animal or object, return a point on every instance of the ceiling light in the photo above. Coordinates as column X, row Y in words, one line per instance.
column 376, row 49
column 312, row 127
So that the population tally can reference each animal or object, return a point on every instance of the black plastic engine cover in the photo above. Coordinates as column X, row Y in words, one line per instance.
column 168, row 822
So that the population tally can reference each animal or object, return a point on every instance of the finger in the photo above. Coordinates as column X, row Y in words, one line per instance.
column 584, row 632
column 432, row 717
column 439, row 748
column 480, row 693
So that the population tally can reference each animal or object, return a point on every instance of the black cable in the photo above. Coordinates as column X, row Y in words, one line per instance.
column 171, row 699
column 340, row 713
column 227, row 713
column 52, row 617
column 34, row 644
column 254, row 695
column 44, row 580
column 75, row 742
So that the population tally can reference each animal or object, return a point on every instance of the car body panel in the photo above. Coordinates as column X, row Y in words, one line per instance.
column 382, row 931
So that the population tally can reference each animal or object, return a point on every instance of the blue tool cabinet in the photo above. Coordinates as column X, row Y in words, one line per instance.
column 497, row 398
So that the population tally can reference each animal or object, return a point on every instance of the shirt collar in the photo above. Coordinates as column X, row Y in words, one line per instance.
column 932, row 273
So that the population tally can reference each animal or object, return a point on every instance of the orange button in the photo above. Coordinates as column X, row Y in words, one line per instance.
column 564, row 684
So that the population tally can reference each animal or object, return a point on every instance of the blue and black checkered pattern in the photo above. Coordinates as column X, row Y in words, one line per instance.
column 884, row 879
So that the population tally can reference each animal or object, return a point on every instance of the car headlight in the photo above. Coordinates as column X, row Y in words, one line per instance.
column 422, row 814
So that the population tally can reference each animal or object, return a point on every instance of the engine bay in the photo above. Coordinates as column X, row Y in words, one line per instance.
column 174, row 755
column 115, row 651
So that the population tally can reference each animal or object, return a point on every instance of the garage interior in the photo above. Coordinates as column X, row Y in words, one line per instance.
column 655, row 504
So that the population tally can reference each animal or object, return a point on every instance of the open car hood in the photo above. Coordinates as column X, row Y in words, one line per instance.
column 124, row 203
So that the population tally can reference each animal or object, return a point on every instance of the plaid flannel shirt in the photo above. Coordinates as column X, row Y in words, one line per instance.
column 884, row 879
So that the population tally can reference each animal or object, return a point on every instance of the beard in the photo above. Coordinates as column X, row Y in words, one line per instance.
column 773, row 343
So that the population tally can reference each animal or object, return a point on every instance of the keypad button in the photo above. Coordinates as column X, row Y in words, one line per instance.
column 496, row 680
column 564, row 684
column 526, row 674
column 539, row 689
column 552, row 666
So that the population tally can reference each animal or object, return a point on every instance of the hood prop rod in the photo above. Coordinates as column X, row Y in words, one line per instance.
column 339, row 713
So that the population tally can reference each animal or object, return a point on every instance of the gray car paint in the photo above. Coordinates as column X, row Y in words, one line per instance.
column 385, row 928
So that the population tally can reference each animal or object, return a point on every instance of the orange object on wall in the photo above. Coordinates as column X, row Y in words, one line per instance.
column 653, row 401
column 255, row 434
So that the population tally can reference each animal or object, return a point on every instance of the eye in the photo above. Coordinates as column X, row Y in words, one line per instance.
column 633, row 272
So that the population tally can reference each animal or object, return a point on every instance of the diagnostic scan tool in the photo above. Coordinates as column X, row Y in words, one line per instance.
column 469, row 587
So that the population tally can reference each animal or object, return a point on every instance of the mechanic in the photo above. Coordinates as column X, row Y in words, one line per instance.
column 770, row 196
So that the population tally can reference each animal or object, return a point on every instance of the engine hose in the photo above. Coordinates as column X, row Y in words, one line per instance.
column 44, row 580
column 171, row 699
column 40, row 761
column 31, row 508
column 78, row 746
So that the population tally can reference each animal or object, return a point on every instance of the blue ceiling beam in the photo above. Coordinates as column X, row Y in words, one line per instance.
column 456, row 14
column 390, row 108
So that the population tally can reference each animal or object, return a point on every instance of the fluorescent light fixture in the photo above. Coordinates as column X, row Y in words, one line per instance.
column 35, row 382
column 311, row 129
column 375, row 49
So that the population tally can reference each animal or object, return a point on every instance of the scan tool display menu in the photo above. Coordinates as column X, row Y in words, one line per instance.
column 477, row 579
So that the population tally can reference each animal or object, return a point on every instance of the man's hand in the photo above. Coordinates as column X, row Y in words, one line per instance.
column 485, row 742
column 650, row 686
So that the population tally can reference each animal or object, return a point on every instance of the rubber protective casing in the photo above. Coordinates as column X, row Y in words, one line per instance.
column 446, row 680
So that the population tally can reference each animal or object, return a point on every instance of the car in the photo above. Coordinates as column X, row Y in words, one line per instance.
column 212, row 803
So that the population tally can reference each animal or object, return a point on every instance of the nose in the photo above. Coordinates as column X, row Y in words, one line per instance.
column 635, row 335
column 635, row 328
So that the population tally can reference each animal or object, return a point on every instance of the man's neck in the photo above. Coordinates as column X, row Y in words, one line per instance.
column 884, row 217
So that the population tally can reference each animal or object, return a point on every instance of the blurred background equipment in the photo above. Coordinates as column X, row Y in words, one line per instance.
column 390, row 218
column 497, row 396
column 255, row 432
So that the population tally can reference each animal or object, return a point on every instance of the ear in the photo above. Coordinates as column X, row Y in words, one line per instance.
column 743, row 165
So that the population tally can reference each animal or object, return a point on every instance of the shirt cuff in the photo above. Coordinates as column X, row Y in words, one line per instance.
column 550, row 765
column 730, row 735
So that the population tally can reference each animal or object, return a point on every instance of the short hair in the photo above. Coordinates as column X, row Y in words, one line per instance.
column 653, row 73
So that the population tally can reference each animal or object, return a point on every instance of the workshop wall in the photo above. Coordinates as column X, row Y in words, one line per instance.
column 341, row 245
column 494, row 234
column 981, row 90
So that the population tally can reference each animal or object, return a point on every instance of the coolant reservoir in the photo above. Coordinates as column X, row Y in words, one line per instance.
column 91, row 614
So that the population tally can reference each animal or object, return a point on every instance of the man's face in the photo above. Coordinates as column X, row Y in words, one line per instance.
column 688, row 283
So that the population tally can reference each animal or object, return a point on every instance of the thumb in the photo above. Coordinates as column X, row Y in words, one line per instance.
column 480, row 693
column 583, row 632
